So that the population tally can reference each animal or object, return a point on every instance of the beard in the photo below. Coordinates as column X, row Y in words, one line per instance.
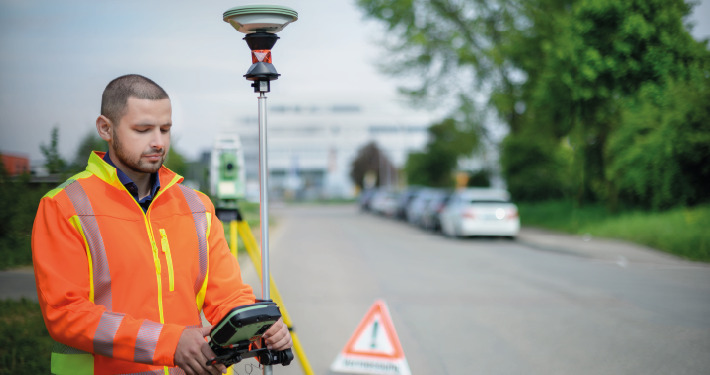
column 136, row 164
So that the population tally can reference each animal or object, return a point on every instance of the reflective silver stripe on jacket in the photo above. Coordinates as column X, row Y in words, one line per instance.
column 99, row 263
column 146, row 341
column 106, row 333
column 59, row 348
column 109, row 321
column 198, row 215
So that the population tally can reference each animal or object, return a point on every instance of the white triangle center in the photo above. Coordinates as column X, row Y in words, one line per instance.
column 374, row 338
column 260, row 55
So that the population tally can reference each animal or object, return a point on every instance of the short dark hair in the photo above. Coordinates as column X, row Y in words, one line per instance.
column 117, row 92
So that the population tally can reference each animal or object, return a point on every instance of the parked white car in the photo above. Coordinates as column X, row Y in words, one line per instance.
column 480, row 212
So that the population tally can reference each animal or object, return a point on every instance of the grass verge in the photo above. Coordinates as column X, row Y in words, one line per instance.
column 25, row 345
column 681, row 231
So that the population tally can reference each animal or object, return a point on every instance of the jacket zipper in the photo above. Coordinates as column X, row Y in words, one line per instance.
column 156, row 260
column 156, row 257
column 166, row 250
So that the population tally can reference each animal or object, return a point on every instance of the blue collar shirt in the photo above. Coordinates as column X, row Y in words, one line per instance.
column 133, row 188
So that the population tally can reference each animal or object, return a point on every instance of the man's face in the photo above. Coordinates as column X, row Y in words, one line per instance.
column 141, row 139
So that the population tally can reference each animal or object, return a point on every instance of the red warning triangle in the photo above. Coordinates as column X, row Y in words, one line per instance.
column 374, row 347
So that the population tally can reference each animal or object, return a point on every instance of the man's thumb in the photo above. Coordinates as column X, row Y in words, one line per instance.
column 205, row 331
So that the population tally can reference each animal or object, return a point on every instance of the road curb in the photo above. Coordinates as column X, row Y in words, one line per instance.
column 598, row 248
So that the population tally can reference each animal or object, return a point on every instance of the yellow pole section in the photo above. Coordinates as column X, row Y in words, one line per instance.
column 251, row 247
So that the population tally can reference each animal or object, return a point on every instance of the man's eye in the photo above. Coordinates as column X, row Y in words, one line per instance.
column 142, row 130
column 165, row 130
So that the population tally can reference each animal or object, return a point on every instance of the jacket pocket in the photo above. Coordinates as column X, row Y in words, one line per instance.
column 166, row 250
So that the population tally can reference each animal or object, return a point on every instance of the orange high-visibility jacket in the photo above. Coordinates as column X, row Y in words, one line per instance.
column 117, row 286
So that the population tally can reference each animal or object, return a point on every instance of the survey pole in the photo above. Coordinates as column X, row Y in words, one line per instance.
column 264, row 198
column 260, row 23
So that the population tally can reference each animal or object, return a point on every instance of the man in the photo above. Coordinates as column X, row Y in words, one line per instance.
column 126, row 257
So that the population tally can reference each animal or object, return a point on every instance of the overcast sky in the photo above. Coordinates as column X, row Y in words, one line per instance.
column 56, row 57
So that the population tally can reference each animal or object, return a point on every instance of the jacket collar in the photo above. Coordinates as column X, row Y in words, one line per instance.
column 101, row 169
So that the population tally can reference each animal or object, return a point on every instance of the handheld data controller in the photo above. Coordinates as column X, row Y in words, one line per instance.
column 232, row 338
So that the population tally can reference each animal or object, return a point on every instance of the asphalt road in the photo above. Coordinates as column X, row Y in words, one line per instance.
column 538, row 305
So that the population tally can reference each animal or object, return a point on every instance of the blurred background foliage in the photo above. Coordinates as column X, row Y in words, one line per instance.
column 605, row 102
column 24, row 340
column 18, row 205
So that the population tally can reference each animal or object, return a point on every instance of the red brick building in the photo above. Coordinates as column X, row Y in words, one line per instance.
column 15, row 164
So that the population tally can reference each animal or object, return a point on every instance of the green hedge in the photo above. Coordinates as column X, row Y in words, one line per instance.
column 25, row 345
column 18, row 206
column 680, row 231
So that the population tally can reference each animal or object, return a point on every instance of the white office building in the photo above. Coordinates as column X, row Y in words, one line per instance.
column 311, row 148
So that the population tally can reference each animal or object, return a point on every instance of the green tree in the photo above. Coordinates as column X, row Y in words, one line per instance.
column 53, row 160
column 176, row 161
column 465, row 51
column 448, row 49
column 535, row 168
column 431, row 168
column 602, row 52
column 479, row 178
column 90, row 142
column 18, row 204
column 449, row 140
column 557, row 72
column 659, row 158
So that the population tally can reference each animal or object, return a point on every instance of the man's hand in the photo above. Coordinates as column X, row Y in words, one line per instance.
column 277, row 337
column 193, row 352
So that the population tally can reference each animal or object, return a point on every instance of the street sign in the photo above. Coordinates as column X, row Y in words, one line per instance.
column 374, row 347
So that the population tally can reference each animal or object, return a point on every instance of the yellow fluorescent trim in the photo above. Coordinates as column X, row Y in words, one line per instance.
column 76, row 223
column 55, row 191
column 156, row 260
column 209, row 225
column 200, row 299
column 166, row 249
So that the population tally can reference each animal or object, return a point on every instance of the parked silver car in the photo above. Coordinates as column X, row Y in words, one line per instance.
column 419, row 203
column 384, row 202
column 480, row 212
column 429, row 219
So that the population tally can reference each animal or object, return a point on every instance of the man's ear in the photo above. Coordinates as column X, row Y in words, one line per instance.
column 103, row 126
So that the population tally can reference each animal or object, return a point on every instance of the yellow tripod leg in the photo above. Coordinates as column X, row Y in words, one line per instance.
column 233, row 237
column 252, row 249
column 233, row 248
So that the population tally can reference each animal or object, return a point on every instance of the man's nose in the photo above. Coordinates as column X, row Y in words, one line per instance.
column 158, row 140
